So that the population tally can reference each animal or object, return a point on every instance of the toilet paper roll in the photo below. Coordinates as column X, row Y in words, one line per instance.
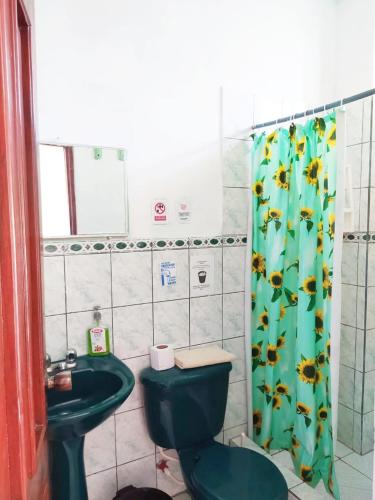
column 162, row 357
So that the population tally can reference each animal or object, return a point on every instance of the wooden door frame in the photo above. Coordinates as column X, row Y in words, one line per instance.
column 24, row 464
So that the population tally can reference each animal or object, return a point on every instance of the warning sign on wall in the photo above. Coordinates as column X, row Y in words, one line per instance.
column 159, row 212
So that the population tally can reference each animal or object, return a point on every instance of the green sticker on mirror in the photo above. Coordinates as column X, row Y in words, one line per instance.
column 98, row 153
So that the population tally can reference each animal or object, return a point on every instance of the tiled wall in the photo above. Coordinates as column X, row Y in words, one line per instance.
column 122, row 277
column 357, row 363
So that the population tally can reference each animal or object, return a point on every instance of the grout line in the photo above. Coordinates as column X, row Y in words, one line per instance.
column 66, row 306
column 113, row 350
column 136, row 459
column 366, row 274
column 190, row 297
column 152, row 297
column 354, row 468
column 100, row 471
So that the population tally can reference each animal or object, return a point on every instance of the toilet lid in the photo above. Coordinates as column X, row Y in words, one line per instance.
column 224, row 473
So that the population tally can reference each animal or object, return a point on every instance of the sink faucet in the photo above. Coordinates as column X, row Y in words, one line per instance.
column 57, row 376
column 71, row 358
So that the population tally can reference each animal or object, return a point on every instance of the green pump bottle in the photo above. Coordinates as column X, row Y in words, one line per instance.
column 98, row 337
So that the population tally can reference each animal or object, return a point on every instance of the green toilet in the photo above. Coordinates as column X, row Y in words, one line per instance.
column 185, row 410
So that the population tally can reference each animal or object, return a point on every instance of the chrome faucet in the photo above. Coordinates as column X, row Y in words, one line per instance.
column 57, row 376
column 71, row 358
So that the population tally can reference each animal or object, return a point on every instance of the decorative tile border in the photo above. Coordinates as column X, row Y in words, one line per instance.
column 107, row 245
column 166, row 243
column 360, row 237
column 84, row 247
column 130, row 245
column 200, row 242
column 235, row 240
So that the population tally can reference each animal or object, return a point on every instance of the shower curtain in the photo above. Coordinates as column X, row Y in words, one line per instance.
column 293, row 229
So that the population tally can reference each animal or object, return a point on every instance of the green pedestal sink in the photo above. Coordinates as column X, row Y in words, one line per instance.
column 99, row 386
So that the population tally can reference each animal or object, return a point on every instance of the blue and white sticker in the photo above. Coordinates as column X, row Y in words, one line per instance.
column 168, row 273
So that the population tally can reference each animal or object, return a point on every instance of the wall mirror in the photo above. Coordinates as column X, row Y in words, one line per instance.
column 83, row 191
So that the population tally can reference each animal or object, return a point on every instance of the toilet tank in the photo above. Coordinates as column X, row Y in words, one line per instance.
column 185, row 407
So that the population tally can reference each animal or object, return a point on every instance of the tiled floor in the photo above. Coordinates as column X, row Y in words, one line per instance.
column 354, row 474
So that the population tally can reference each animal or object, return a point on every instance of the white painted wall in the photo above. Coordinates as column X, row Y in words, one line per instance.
column 355, row 47
column 146, row 75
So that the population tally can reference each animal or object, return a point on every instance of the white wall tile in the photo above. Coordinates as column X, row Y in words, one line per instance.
column 359, row 345
column 368, row 392
column 236, row 412
column 372, row 209
column 363, row 209
column 354, row 114
column 233, row 269
column 361, row 296
column 54, row 285
column 132, row 330
column 217, row 285
column 55, row 336
column 79, row 323
column 370, row 350
column 131, row 278
column 132, row 439
column 345, row 425
column 371, row 264
column 356, row 194
column 365, row 166
column 139, row 473
column 88, row 281
column 370, row 308
column 349, row 263
column 348, row 346
column 100, row 447
column 368, row 432
column 346, row 386
column 235, row 210
column 237, row 347
column 236, row 163
column 205, row 319
column 233, row 314
column 362, row 263
column 135, row 399
column 354, row 159
column 349, row 299
column 171, row 323
column 103, row 485
column 181, row 289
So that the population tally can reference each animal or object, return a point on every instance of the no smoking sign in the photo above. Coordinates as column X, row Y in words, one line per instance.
column 159, row 212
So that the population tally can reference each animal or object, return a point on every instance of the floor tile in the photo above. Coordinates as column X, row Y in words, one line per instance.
column 341, row 450
column 305, row 492
column 353, row 485
column 363, row 463
column 183, row 496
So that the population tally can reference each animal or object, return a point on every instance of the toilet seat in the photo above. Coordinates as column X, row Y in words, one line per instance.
column 224, row 473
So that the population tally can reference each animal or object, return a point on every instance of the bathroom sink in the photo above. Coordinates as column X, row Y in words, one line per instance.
column 99, row 386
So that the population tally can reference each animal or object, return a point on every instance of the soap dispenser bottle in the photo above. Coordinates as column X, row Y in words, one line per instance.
column 98, row 336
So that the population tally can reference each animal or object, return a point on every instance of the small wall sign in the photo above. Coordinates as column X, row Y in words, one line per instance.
column 183, row 212
column 168, row 273
column 159, row 212
column 202, row 272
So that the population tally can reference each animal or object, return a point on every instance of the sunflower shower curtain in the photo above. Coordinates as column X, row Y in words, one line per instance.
column 294, row 179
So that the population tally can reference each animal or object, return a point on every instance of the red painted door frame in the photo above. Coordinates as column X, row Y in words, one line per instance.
column 23, row 449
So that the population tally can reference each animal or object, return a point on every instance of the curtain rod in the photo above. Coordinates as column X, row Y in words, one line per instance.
column 313, row 111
